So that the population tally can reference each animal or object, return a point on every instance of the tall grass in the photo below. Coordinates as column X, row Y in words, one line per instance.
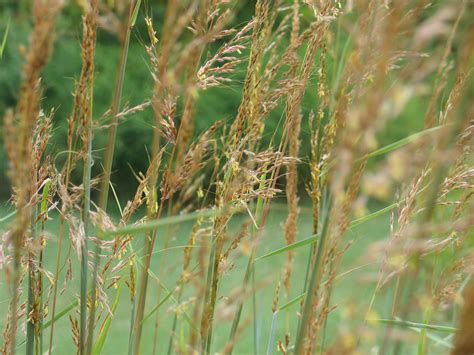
column 331, row 75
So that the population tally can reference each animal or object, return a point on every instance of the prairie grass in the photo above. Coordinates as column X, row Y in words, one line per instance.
column 230, row 244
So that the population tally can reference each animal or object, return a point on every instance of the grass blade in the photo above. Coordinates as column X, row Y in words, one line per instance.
column 4, row 40
column 271, row 339
column 295, row 245
column 314, row 280
column 99, row 344
column 408, row 324
column 61, row 313
column 314, row 238
column 135, row 13
column 143, row 227
column 292, row 302
column 400, row 143
column 8, row 216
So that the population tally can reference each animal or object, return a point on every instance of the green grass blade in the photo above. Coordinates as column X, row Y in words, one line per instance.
column 313, row 281
column 314, row 238
column 169, row 295
column 404, row 141
column 271, row 339
column 157, row 306
column 143, row 227
column 391, row 147
column 58, row 316
column 289, row 247
column 408, row 324
column 357, row 222
column 135, row 13
column 437, row 339
column 99, row 344
column 292, row 302
column 61, row 314
column 8, row 216
column 44, row 197
column 4, row 40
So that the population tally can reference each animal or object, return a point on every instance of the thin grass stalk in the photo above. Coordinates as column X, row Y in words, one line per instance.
column 212, row 269
column 162, row 263
column 186, row 127
column 292, row 115
column 30, row 325
column 213, row 277
column 314, row 281
column 247, row 113
column 273, row 329
column 62, row 220
column 109, row 153
column 181, row 289
column 56, row 280
column 250, row 272
column 82, row 115
column 114, row 110
column 44, row 216
column 292, row 110
column 152, row 211
column 34, row 329
column 87, row 75
column 14, row 305
column 138, row 323
column 84, row 247
column 37, row 299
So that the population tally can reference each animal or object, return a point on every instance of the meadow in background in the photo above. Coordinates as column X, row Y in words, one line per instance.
column 229, row 176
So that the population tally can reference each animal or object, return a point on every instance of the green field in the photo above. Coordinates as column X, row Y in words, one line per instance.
column 354, row 288
column 167, row 266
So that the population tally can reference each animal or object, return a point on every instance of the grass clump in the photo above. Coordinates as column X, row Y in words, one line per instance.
column 68, row 257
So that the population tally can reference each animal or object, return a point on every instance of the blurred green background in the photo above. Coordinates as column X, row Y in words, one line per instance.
column 134, row 135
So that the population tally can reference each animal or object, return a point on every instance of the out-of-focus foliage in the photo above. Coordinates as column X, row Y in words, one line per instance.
column 134, row 135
